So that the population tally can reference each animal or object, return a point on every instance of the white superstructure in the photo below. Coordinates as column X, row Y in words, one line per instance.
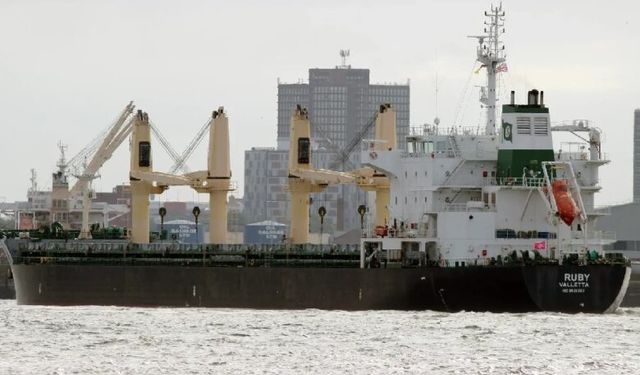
column 464, row 196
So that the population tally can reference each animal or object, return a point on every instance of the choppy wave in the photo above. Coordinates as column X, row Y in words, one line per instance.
column 115, row 340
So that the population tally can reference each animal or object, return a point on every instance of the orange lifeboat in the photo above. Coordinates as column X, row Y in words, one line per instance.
column 567, row 209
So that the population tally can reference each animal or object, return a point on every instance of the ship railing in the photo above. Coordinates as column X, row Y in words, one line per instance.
column 454, row 207
column 463, row 262
column 408, row 231
column 447, row 154
column 521, row 181
column 463, row 207
column 429, row 130
column 372, row 144
column 124, row 249
column 568, row 156
column 484, row 261
column 584, row 155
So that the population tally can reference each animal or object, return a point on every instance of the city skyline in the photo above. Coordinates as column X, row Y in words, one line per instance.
column 69, row 74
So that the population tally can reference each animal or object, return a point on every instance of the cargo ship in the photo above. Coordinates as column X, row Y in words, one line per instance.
column 487, row 218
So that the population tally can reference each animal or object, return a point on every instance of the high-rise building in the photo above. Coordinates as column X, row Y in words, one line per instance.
column 636, row 156
column 341, row 102
column 265, row 194
column 265, row 178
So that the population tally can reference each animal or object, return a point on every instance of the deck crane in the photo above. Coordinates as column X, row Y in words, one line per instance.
column 114, row 136
column 594, row 139
column 374, row 180
column 367, row 178
column 215, row 181
column 167, row 147
column 179, row 163
column 345, row 153
column 303, row 178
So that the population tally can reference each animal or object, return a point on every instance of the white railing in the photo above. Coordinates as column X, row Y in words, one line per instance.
column 566, row 156
column 521, row 181
column 371, row 144
column 569, row 156
column 461, row 207
column 433, row 155
column 427, row 130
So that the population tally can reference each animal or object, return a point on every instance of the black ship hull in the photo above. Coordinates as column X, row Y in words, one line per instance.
column 7, row 290
column 518, row 288
column 632, row 297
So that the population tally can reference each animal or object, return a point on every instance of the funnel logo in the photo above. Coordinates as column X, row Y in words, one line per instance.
column 507, row 135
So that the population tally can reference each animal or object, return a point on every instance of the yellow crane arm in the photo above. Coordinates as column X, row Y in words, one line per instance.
column 161, row 179
column 324, row 176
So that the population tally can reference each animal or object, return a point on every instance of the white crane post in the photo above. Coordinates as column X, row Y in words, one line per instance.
column 140, row 190
column 385, row 131
column 299, row 159
column 218, row 176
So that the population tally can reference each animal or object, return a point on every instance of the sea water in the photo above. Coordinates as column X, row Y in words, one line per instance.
column 117, row 340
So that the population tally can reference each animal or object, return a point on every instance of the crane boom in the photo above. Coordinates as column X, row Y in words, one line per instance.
column 91, row 148
column 167, row 147
column 114, row 136
column 346, row 152
column 122, row 135
column 111, row 141
column 190, row 148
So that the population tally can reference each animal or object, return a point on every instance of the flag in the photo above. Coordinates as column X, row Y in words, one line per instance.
column 542, row 245
column 502, row 68
column 478, row 70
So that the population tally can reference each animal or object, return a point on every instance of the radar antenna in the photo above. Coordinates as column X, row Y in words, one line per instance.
column 492, row 57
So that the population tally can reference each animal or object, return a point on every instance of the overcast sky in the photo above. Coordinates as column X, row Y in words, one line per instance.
column 68, row 67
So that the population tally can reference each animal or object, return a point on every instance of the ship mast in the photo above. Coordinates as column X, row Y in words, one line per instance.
column 62, row 162
column 490, row 55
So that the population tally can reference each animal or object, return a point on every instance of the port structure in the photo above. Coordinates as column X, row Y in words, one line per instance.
column 305, row 179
